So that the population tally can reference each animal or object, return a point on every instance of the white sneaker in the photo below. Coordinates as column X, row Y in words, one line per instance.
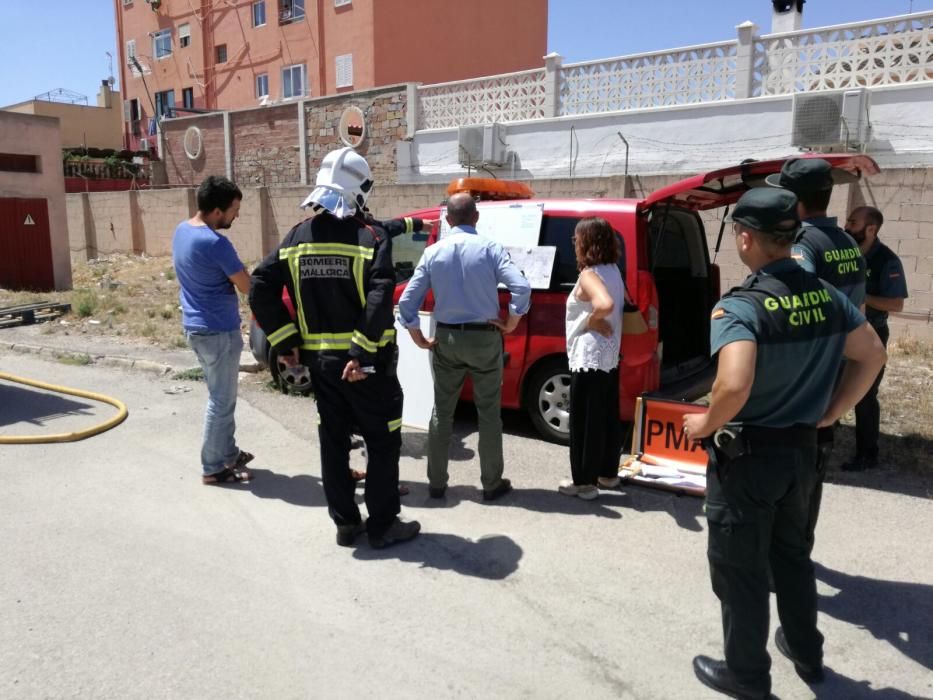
column 587, row 491
column 608, row 482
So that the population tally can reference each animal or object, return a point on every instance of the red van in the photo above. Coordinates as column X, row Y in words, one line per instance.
column 667, row 270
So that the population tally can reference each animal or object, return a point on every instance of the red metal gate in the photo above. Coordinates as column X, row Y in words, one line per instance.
column 25, row 245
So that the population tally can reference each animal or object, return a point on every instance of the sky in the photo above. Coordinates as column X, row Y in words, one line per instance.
column 70, row 49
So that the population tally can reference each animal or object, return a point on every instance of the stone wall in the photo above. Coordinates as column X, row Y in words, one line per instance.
column 265, row 142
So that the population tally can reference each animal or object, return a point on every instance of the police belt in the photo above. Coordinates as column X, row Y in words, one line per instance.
column 731, row 442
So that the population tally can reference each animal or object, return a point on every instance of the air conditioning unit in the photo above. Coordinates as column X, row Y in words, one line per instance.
column 831, row 119
column 482, row 145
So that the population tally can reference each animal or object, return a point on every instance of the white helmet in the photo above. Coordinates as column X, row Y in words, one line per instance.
column 343, row 184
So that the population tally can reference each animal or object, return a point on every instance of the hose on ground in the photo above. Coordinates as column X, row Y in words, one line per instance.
column 122, row 413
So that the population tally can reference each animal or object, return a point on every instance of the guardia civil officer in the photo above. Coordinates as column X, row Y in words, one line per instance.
column 827, row 250
column 780, row 338
column 337, row 267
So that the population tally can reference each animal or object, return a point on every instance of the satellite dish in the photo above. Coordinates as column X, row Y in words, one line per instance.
column 192, row 142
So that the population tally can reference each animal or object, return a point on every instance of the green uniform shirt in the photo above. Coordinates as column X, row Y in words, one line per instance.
column 799, row 325
column 825, row 249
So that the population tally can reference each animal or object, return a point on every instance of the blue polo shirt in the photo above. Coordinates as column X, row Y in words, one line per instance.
column 800, row 333
column 204, row 262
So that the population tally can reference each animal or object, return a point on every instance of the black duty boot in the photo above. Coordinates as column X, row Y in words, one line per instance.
column 809, row 673
column 716, row 675
column 396, row 532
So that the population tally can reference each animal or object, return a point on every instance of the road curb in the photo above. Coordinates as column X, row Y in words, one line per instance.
column 120, row 361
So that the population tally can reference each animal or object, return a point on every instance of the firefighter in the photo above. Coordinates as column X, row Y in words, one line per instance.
column 780, row 339
column 337, row 267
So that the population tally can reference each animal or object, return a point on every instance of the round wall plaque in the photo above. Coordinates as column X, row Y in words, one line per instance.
column 352, row 128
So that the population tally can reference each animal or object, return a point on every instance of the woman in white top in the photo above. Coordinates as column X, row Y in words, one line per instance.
column 594, row 346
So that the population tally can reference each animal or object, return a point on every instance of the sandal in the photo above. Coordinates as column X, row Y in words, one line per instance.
column 242, row 460
column 227, row 475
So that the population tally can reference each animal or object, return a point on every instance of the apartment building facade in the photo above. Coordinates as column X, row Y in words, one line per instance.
column 183, row 56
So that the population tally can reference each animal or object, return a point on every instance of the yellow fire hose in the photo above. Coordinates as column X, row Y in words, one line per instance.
column 65, row 437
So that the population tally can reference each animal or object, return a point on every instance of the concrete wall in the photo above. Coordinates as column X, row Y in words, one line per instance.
column 40, row 136
column 267, row 214
column 82, row 125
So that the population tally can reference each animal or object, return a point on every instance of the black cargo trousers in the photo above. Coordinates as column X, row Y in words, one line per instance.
column 757, row 507
column 373, row 407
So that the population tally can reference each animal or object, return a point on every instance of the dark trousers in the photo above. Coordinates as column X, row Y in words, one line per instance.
column 372, row 406
column 595, row 431
column 868, row 413
column 758, row 515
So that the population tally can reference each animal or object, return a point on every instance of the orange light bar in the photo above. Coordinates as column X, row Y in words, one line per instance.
column 487, row 188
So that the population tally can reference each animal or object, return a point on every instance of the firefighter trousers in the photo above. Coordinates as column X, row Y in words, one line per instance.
column 374, row 407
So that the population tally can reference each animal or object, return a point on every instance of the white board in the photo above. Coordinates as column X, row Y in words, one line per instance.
column 507, row 223
column 536, row 263
column 415, row 374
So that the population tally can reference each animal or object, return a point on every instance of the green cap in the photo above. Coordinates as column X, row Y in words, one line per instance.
column 803, row 175
column 771, row 211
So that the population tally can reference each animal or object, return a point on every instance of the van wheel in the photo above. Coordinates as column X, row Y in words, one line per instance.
column 547, row 400
column 277, row 380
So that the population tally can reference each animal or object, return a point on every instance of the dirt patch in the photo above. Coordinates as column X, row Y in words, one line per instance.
column 126, row 296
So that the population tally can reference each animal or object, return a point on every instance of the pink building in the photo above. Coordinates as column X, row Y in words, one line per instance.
column 231, row 54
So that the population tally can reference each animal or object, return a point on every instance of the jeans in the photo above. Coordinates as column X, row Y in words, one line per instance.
column 219, row 356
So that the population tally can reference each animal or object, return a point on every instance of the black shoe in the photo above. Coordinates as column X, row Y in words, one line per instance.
column 346, row 534
column 397, row 532
column 809, row 673
column 716, row 675
column 503, row 488
column 437, row 491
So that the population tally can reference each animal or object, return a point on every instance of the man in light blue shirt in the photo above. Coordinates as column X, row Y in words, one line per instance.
column 464, row 271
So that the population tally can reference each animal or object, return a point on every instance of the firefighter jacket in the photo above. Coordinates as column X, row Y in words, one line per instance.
column 340, row 278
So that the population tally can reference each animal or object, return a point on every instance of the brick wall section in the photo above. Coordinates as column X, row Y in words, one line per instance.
column 160, row 212
column 905, row 197
column 112, row 214
column 181, row 170
column 265, row 146
column 76, row 206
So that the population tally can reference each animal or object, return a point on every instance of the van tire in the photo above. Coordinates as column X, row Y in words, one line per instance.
column 547, row 400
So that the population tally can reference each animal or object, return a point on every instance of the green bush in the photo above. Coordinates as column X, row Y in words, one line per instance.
column 85, row 302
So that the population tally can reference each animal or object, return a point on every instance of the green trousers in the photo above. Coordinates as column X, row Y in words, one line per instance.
column 457, row 354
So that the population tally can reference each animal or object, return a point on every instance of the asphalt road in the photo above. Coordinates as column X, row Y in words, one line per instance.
column 121, row 576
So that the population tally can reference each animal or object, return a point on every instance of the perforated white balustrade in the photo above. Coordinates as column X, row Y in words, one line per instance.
column 502, row 98
column 684, row 76
column 863, row 54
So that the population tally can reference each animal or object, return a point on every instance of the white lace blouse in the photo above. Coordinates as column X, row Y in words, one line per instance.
column 586, row 349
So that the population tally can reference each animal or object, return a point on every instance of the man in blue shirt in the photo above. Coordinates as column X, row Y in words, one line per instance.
column 885, row 291
column 780, row 339
column 464, row 271
column 209, row 274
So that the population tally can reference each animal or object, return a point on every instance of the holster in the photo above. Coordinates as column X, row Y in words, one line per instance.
column 722, row 447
